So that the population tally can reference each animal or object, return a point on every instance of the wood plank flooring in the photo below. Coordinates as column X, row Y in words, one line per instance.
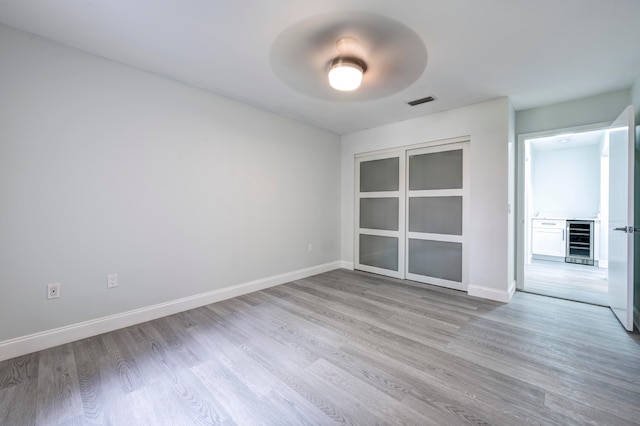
column 582, row 283
column 342, row 347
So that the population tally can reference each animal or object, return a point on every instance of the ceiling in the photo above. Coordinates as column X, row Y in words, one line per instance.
column 536, row 52
column 568, row 140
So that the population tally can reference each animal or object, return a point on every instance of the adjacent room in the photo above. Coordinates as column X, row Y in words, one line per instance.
column 567, row 199
column 418, row 212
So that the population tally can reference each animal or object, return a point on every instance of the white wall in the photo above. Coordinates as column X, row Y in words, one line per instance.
column 488, row 126
column 109, row 169
column 565, row 183
column 594, row 109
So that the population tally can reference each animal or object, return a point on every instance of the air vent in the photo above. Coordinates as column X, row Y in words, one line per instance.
column 422, row 101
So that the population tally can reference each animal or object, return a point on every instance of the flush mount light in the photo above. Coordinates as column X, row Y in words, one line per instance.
column 346, row 73
column 301, row 56
column 346, row 70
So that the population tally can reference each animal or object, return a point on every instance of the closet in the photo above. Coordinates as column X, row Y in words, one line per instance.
column 412, row 213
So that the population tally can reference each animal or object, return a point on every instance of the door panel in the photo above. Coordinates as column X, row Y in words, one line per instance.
column 435, row 259
column 380, row 213
column 412, row 213
column 380, row 175
column 435, row 215
column 437, row 201
column 436, row 170
column 621, row 209
column 379, row 252
column 379, row 245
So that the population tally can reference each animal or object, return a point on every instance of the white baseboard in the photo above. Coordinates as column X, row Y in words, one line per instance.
column 503, row 296
column 59, row 336
column 512, row 289
column 346, row 265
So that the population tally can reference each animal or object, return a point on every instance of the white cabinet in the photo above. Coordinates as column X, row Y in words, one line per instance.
column 548, row 237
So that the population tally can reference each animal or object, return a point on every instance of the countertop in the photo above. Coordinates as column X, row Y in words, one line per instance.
column 565, row 218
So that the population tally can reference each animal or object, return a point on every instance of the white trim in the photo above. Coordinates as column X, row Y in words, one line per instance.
column 38, row 341
column 378, row 232
column 380, row 271
column 492, row 293
column 440, row 282
column 346, row 265
column 436, row 237
column 436, row 193
column 384, row 152
column 512, row 289
column 380, row 194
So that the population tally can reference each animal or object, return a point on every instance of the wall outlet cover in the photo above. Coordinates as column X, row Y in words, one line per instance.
column 112, row 280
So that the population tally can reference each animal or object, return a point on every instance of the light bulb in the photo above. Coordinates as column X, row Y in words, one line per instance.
column 345, row 74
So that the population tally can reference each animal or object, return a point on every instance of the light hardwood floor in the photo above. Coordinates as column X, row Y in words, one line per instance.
column 582, row 283
column 341, row 348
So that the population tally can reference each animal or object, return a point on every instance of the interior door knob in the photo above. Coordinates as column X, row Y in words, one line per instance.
column 627, row 229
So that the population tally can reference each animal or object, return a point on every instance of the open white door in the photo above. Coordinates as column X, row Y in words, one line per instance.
column 621, row 227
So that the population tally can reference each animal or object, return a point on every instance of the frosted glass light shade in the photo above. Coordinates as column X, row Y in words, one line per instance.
column 345, row 74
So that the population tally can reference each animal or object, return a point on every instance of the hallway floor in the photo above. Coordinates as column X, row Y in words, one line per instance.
column 569, row 281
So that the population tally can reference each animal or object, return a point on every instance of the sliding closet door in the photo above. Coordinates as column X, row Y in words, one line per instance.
column 379, row 211
column 437, row 215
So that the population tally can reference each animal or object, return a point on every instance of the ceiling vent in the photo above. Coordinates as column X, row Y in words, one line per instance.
column 422, row 101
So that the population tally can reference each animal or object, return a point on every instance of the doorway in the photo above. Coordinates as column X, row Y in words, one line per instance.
column 566, row 204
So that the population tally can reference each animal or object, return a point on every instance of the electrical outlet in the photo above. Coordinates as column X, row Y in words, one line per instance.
column 310, row 248
column 53, row 291
column 112, row 280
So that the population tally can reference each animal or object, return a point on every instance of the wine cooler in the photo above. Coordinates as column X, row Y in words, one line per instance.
column 579, row 242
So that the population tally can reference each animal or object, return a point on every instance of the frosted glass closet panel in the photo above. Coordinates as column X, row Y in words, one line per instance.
column 380, row 252
column 380, row 175
column 439, row 170
column 379, row 244
column 438, row 259
column 379, row 213
column 436, row 201
column 435, row 215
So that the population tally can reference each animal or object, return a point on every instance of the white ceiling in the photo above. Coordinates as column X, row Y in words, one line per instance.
column 568, row 140
column 536, row 52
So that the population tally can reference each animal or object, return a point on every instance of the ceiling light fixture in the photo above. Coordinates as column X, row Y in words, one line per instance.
column 346, row 70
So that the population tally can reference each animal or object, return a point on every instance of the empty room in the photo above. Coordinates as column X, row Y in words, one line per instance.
column 314, row 213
